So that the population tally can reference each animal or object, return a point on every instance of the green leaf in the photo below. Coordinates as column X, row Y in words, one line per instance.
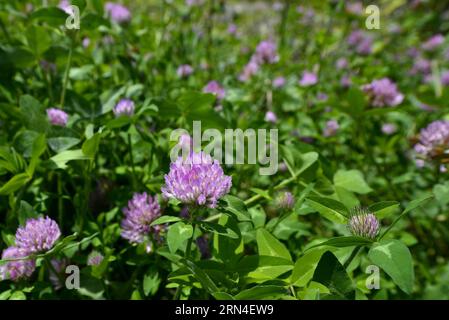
column 52, row 15
column 417, row 202
column 90, row 146
column 395, row 259
column 330, row 273
column 347, row 197
column 197, row 106
column 307, row 159
column 118, row 122
column 151, row 282
column 351, row 180
column 25, row 212
column 329, row 208
column 219, row 229
column 384, row 208
column 33, row 114
column 59, row 144
column 305, row 267
column 223, row 296
column 341, row 242
column 21, row 57
column 165, row 219
column 39, row 146
column 201, row 276
column 15, row 183
column 63, row 157
column 12, row 161
column 262, row 292
column 18, row 295
column 177, row 234
column 441, row 192
column 5, row 294
column 269, row 268
column 92, row 21
column 227, row 249
column 237, row 207
column 354, row 102
column 39, row 39
column 270, row 246
column 81, row 4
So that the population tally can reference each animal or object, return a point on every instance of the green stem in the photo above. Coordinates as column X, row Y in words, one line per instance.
column 132, row 160
column 352, row 256
column 186, row 256
column 67, row 70
column 282, row 27
column 60, row 202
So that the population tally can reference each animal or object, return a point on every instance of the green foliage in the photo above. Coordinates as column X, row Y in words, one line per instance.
column 250, row 245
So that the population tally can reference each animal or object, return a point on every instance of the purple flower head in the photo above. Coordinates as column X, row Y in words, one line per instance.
column 250, row 69
column 413, row 52
column 107, row 40
column 342, row 63
column 420, row 163
column 433, row 140
column 197, row 180
column 95, row 258
column 184, row 71
column 383, row 92
column 355, row 8
column 307, row 15
column 331, row 128
column 321, row 96
column 266, row 52
column 345, row 81
column 308, row 79
column 445, row 78
column 433, row 42
column 29, row 7
column 17, row 269
column 86, row 42
column 278, row 82
column 38, row 235
column 142, row 210
column 389, row 128
column 422, row 66
column 278, row 6
column 361, row 42
column 191, row 3
column 355, row 37
column 125, row 107
column 118, row 13
column 270, row 116
column 232, row 29
column 57, row 117
column 285, row 201
column 215, row 88
column 363, row 223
